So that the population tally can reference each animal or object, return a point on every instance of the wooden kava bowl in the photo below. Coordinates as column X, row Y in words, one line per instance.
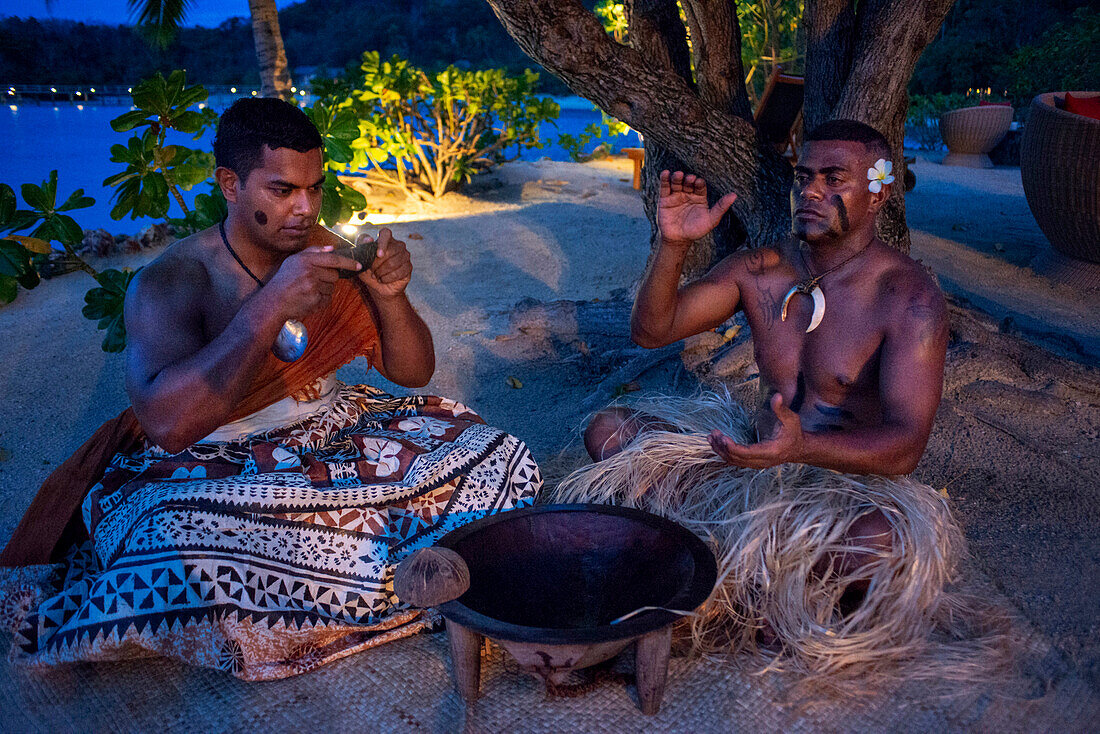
column 547, row 582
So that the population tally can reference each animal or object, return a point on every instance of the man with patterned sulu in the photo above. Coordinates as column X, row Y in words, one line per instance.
column 248, row 511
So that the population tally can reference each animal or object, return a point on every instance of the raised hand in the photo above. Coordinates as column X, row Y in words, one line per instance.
column 304, row 281
column 392, row 268
column 785, row 444
column 682, row 211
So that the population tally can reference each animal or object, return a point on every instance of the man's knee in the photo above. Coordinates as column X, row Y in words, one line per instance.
column 603, row 436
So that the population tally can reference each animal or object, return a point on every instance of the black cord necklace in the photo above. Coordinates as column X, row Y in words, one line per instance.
column 221, row 228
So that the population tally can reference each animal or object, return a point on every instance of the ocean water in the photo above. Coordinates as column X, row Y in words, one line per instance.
column 76, row 140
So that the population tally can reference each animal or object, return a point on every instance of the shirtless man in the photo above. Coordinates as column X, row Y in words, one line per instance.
column 199, row 325
column 857, row 393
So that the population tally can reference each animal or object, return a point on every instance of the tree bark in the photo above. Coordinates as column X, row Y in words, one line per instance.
column 274, row 72
column 859, row 59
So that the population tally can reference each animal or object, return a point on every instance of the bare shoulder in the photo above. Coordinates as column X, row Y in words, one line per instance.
column 178, row 277
column 756, row 261
column 910, row 297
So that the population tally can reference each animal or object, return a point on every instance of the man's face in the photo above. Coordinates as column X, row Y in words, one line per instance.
column 831, row 198
column 281, row 199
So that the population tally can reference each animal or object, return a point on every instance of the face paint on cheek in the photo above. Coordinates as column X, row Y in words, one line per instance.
column 261, row 218
column 841, row 211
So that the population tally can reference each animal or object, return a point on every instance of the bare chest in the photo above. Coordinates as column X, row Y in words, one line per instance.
column 836, row 364
column 222, row 300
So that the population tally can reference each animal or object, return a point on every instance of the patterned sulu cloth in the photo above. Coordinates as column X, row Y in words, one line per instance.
column 271, row 555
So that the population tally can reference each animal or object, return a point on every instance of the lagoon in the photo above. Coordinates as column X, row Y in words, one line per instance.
column 76, row 140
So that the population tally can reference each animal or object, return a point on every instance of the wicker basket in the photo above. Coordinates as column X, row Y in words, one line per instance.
column 1060, row 168
column 971, row 132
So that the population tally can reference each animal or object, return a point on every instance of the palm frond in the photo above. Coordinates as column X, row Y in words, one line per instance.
column 159, row 20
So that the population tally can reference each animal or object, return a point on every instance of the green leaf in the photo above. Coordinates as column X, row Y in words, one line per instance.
column 76, row 200
column 338, row 151
column 115, row 339
column 7, row 204
column 49, row 188
column 191, row 96
column 129, row 120
column 106, row 305
column 15, row 261
column 35, row 197
column 8, row 289
column 68, row 231
column 188, row 122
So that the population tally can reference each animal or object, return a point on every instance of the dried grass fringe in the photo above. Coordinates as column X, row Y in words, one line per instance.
column 770, row 528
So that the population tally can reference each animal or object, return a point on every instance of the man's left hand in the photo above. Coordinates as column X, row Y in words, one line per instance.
column 391, row 271
column 785, row 444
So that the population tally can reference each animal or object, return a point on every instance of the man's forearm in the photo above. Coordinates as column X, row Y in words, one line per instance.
column 191, row 398
column 408, row 354
column 654, row 313
column 882, row 449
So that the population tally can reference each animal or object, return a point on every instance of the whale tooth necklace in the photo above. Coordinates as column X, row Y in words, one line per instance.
column 811, row 286
column 292, row 340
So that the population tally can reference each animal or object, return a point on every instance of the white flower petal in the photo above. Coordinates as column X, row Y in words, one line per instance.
column 889, row 167
column 888, row 180
column 875, row 186
column 872, row 174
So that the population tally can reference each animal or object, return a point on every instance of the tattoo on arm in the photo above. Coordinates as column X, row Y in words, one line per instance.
column 769, row 306
column 928, row 328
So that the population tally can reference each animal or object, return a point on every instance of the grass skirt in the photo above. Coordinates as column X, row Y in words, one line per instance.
column 776, row 533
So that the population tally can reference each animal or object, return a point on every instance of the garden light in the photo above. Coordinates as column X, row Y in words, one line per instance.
column 53, row 89
column 233, row 90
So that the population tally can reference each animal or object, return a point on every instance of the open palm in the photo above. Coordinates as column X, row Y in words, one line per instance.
column 682, row 211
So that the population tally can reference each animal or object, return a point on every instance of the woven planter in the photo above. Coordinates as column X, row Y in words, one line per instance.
column 1060, row 168
column 970, row 133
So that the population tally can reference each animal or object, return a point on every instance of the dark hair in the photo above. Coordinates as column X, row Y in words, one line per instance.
column 251, row 123
column 855, row 132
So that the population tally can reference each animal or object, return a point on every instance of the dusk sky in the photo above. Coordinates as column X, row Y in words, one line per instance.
column 114, row 12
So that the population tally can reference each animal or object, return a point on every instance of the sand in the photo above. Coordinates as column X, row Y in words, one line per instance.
column 527, row 275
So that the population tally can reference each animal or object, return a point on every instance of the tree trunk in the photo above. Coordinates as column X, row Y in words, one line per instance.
column 274, row 73
column 859, row 59
column 656, row 32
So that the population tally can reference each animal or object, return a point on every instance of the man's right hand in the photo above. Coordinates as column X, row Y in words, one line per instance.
column 305, row 281
column 682, row 212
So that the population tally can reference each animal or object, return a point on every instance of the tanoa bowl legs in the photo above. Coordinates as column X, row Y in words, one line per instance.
column 553, row 663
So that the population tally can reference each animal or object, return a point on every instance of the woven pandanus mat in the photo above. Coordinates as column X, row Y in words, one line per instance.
column 406, row 687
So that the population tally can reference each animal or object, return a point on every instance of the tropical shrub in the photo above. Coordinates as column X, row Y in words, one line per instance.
column 576, row 145
column 21, row 256
column 428, row 133
column 1066, row 57
column 155, row 169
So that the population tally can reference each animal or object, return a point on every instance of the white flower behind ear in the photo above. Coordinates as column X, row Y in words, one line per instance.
column 880, row 175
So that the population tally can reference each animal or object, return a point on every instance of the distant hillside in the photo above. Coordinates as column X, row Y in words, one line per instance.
column 318, row 34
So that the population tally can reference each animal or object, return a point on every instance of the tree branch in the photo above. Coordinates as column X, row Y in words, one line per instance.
column 716, row 54
column 569, row 41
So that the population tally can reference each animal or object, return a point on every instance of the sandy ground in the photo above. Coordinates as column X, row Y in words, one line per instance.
column 526, row 276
